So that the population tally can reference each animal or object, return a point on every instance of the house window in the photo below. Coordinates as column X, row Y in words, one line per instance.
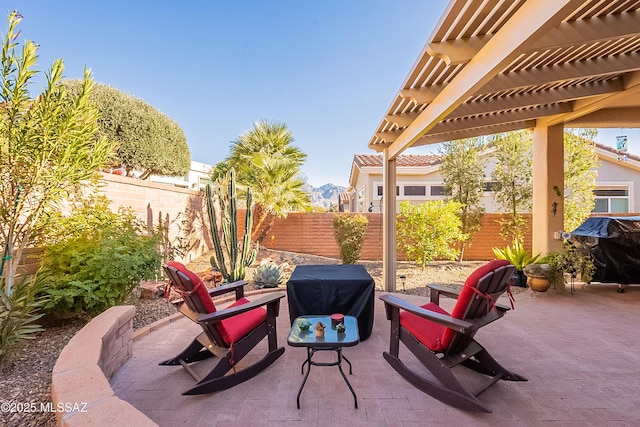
column 438, row 190
column 612, row 200
column 491, row 186
column 415, row 190
column 380, row 190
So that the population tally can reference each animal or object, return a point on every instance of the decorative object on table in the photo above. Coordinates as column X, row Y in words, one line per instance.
column 320, row 329
column 340, row 328
column 304, row 324
column 336, row 319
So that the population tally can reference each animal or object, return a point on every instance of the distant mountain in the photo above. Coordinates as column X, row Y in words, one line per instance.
column 324, row 196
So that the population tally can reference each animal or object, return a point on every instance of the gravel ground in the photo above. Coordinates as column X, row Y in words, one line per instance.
column 25, row 377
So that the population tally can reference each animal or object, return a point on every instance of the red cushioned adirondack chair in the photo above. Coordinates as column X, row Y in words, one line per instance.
column 227, row 334
column 441, row 340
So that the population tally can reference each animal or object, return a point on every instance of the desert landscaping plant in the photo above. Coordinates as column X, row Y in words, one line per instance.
column 266, row 160
column 429, row 231
column 464, row 182
column 231, row 258
column 19, row 313
column 268, row 275
column 349, row 231
column 49, row 145
column 96, row 258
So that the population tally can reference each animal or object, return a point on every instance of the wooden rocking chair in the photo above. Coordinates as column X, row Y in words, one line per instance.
column 228, row 334
column 441, row 341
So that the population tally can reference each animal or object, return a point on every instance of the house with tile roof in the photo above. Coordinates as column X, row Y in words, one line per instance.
column 418, row 179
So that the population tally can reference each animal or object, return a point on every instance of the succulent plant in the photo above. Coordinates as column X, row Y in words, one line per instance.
column 268, row 275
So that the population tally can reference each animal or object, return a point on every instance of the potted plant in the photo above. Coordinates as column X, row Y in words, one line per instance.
column 570, row 262
column 555, row 266
column 519, row 257
column 540, row 276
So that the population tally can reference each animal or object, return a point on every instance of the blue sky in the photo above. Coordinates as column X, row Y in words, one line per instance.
column 328, row 69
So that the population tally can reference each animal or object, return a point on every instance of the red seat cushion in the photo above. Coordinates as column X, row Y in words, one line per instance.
column 427, row 332
column 231, row 329
column 435, row 336
column 236, row 327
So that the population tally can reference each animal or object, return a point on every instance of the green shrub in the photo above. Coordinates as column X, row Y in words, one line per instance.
column 349, row 231
column 96, row 259
column 429, row 231
column 18, row 314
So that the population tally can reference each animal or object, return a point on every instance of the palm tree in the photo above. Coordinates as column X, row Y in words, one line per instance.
column 266, row 161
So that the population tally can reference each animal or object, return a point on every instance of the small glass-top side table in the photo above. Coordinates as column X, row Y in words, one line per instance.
column 331, row 341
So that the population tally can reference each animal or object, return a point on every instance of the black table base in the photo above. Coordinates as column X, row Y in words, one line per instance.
column 310, row 352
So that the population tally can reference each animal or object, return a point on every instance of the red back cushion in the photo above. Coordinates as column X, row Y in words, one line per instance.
column 433, row 335
column 466, row 294
column 200, row 290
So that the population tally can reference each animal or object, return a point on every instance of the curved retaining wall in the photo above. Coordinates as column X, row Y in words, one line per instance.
column 80, row 378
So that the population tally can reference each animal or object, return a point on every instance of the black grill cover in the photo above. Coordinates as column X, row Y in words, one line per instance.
column 614, row 245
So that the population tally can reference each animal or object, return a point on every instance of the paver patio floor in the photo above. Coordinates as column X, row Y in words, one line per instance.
column 580, row 353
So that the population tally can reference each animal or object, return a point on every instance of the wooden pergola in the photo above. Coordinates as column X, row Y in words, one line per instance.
column 494, row 66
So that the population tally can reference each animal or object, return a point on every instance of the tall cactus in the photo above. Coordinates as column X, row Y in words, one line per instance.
column 239, row 257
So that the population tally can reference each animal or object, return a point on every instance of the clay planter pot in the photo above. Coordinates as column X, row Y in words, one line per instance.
column 539, row 284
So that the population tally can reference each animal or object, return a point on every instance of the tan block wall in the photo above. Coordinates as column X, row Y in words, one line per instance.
column 81, row 373
column 149, row 200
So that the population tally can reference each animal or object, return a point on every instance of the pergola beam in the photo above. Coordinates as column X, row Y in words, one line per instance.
column 529, row 23
column 473, row 132
column 590, row 105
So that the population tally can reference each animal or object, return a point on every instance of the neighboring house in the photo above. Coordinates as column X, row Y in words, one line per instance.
column 418, row 179
column 196, row 179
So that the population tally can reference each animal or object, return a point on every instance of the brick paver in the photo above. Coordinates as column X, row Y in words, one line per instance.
column 580, row 352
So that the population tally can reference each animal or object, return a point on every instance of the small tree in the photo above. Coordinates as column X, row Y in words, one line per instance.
column 48, row 147
column 147, row 141
column 349, row 231
column 464, row 181
column 266, row 160
column 429, row 231
column 580, row 173
column 513, row 174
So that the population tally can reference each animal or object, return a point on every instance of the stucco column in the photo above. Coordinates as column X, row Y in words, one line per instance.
column 548, row 187
column 389, row 222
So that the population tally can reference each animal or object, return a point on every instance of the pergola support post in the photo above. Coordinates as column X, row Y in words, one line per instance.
column 389, row 222
column 548, row 187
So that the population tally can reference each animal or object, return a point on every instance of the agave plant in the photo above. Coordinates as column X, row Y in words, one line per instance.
column 516, row 255
column 268, row 275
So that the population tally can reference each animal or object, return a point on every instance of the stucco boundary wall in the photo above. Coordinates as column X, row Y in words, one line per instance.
column 303, row 232
column 313, row 233
column 186, row 209
column 80, row 377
